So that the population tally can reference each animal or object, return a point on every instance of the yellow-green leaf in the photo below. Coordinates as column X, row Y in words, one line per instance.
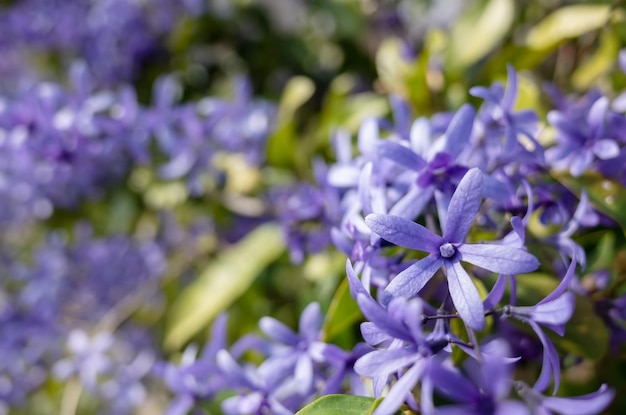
column 601, row 62
column 341, row 405
column 478, row 33
column 222, row 282
column 342, row 313
column 568, row 22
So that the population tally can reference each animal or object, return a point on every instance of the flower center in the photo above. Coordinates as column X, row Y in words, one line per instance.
column 447, row 250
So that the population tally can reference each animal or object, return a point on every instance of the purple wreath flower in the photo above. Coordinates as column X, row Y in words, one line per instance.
column 448, row 250
column 483, row 391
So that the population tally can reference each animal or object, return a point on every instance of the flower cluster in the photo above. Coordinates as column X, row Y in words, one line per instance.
column 436, row 221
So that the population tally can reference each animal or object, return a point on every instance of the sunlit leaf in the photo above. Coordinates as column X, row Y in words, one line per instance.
column 479, row 32
column 601, row 62
column 568, row 22
column 342, row 313
column 341, row 405
column 281, row 146
column 222, row 282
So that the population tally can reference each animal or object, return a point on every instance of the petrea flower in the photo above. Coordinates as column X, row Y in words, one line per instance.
column 436, row 164
column 262, row 390
column 483, row 392
column 449, row 250
column 300, row 355
column 585, row 137
column 400, row 327
column 554, row 312
column 500, row 126
column 196, row 379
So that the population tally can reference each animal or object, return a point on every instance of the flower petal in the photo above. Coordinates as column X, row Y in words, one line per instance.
column 411, row 205
column 459, row 131
column 385, row 362
column 503, row 259
column 403, row 232
column 410, row 281
column 465, row 296
column 398, row 392
column 401, row 155
column 592, row 403
column 555, row 312
column 464, row 206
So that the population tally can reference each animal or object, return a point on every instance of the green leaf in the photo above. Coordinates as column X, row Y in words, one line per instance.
column 341, row 405
column 600, row 63
column 281, row 147
column 608, row 196
column 477, row 33
column 585, row 334
column 568, row 22
column 222, row 282
column 298, row 90
column 342, row 313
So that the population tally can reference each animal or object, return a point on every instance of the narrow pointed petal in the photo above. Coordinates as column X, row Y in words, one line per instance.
column 368, row 137
column 551, row 366
column 593, row 403
column 510, row 94
column 276, row 330
column 343, row 175
column 502, row 259
column 451, row 384
column 410, row 281
column 385, row 362
column 379, row 316
column 496, row 293
column 311, row 322
column 459, row 131
column 218, row 337
column 465, row 296
column 484, row 93
column 403, row 232
column 464, row 206
column 420, row 136
column 303, row 374
column 556, row 312
column 401, row 155
column 398, row 392
column 372, row 334
column 565, row 282
column 365, row 180
column 356, row 286
column 413, row 203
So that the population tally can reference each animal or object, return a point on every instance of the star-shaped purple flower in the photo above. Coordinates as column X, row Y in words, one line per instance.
column 449, row 250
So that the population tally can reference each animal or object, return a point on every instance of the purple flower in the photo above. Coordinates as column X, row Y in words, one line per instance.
column 262, row 390
column 405, row 353
column 500, row 127
column 483, row 392
column 589, row 135
column 301, row 355
column 449, row 250
column 197, row 379
column 554, row 311
column 436, row 164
